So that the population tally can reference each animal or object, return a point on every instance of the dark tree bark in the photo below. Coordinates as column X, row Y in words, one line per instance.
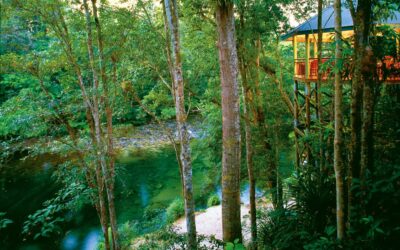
column 231, row 224
column 361, row 127
column 171, row 10
column 250, row 112
column 248, row 103
column 319, row 95
column 338, row 141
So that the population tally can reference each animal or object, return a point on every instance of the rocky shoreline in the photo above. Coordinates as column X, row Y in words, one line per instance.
column 151, row 135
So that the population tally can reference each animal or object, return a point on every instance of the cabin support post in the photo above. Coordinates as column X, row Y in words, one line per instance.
column 296, row 121
column 307, row 63
column 296, row 104
column 316, row 97
column 294, row 54
column 315, row 52
column 308, row 118
column 308, row 95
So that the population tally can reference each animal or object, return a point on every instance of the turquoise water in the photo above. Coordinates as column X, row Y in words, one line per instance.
column 145, row 178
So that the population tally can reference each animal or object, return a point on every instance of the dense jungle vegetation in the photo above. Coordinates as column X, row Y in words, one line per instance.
column 121, row 120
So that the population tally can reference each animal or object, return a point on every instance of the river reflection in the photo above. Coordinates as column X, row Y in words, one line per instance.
column 146, row 178
column 72, row 241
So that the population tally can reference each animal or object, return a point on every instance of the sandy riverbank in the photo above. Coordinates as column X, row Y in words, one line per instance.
column 209, row 222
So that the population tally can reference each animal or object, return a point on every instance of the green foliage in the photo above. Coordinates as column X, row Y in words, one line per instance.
column 47, row 221
column 4, row 222
column 22, row 115
column 167, row 238
column 128, row 231
column 308, row 214
column 213, row 200
column 44, row 222
column 281, row 229
column 234, row 246
column 323, row 243
column 175, row 210
column 38, row 88
column 377, row 226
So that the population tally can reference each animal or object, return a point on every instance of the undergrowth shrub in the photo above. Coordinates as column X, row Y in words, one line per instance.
column 213, row 200
column 167, row 238
column 175, row 210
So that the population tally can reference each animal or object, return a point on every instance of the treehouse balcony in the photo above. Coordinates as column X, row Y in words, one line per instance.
column 304, row 39
column 387, row 70
column 312, row 102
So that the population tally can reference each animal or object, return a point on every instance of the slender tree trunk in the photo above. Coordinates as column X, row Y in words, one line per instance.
column 279, row 187
column 99, row 145
column 171, row 10
column 368, row 65
column 367, row 142
column 171, row 72
column 367, row 149
column 102, row 207
column 252, row 183
column 319, row 95
column 60, row 28
column 231, row 224
column 362, row 20
column 338, row 141
column 248, row 101
column 355, row 134
column 274, row 178
column 110, row 147
column 250, row 171
column 250, row 107
column 92, row 183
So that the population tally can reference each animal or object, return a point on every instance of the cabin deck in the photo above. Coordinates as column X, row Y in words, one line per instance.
column 388, row 70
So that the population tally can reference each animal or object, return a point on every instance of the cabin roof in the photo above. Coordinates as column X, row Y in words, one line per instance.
column 328, row 22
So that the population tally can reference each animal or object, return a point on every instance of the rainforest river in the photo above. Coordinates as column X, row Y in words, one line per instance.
column 146, row 179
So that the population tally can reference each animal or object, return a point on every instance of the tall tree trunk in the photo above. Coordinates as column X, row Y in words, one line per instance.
column 171, row 10
column 231, row 224
column 102, row 207
column 60, row 28
column 368, row 65
column 171, row 72
column 275, row 182
column 250, row 171
column 92, row 182
column 250, row 107
column 361, row 23
column 110, row 147
column 367, row 129
column 98, row 143
column 318, row 89
column 272, row 171
column 367, row 144
column 248, row 101
column 338, row 141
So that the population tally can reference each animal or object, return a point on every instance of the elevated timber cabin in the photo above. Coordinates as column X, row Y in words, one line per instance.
column 308, row 103
column 306, row 67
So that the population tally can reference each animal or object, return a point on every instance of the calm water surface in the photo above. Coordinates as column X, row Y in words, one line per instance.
column 146, row 178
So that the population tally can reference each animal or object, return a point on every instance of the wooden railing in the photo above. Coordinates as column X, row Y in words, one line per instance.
column 300, row 68
column 388, row 69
